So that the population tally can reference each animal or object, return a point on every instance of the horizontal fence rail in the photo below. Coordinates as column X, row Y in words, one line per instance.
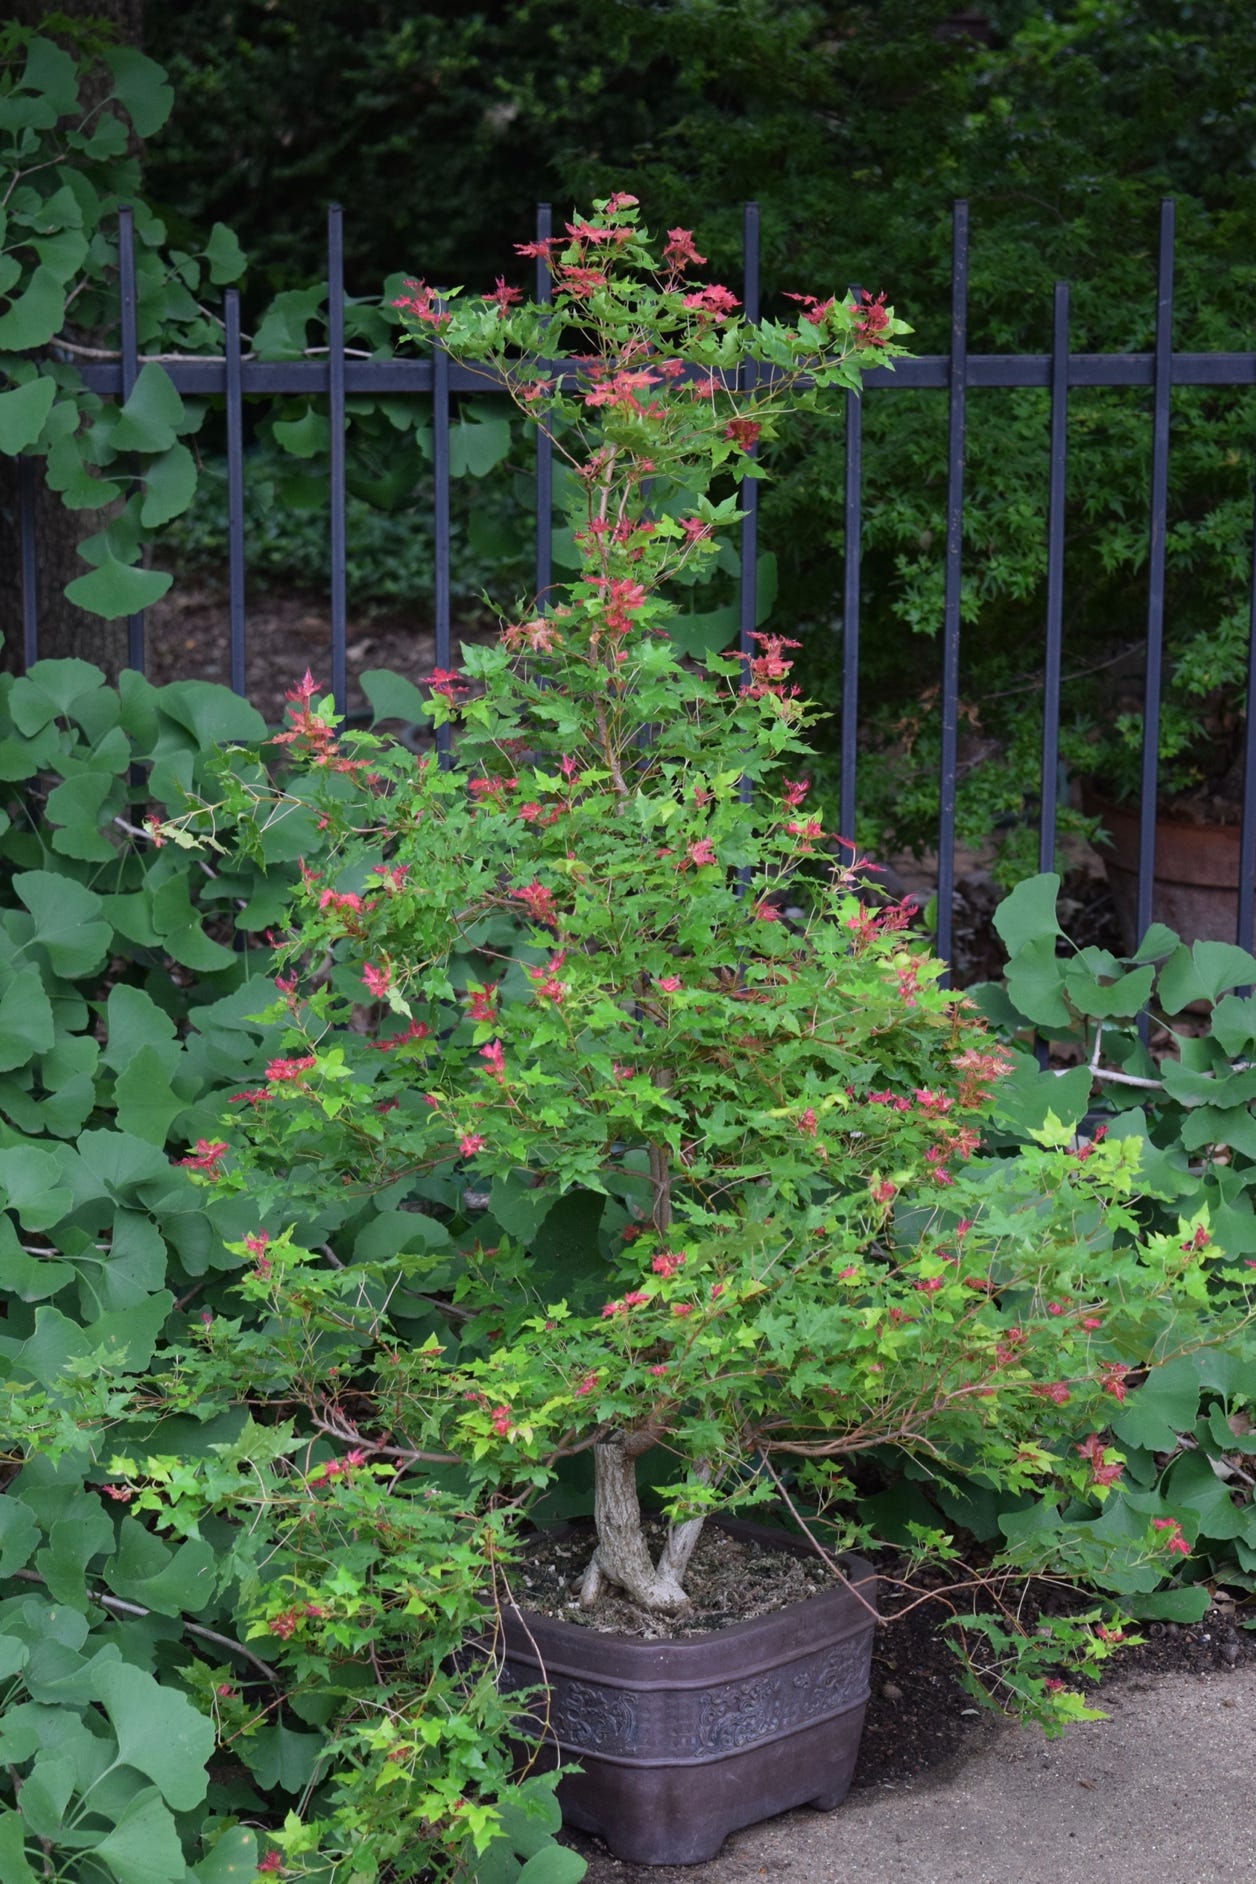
column 336, row 375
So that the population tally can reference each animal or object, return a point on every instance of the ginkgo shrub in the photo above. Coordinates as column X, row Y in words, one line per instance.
column 678, row 1143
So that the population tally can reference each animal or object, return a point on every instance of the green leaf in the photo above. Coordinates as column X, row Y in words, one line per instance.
column 1203, row 972
column 393, row 697
column 227, row 260
column 170, row 1581
column 124, row 1276
column 19, row 1534
column 25, row 1020
column 1185, row 1605
column 13, row 1866
column 554, row 1865
column 475, row 447
column 306, row 437
column 1193, row 1487
column 169, row 486
column 136, row 1022
column 1119, row 995
column 52, row 690
column 518, row 1208
column 67, row 921
column 1035, row 978
column 78, row 801
column 152, row 416
column 72, row 1544
column 144, row 1846
column 159, row 1733
column 1159, row 942
column 1028, row 914
column 1234, row 1025
column 1161, row 1408
column 51, row 71
column 46, row 1793
column 281, row 332
column 530, row 1821
column 116, row 589
column 279, row 1757
column 36, row 315
column 392, row 1231
column 23, row 412
column 125, row 1167
column 233, row 1859
column 63, row 254
column 31, row 1182
column 212, row 714
column 146, row 1104
column 139, row 85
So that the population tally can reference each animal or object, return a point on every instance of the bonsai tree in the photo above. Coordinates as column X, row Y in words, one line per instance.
column 626, row 1127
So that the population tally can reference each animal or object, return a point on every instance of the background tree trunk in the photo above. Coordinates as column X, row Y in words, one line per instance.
column 63, row 628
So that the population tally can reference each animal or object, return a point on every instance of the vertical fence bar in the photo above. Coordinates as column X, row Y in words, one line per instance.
column 544, row 444
column 748, row 493
column 1054, row 650
column 26, row 535
column 440, row 529
column 1155, row 570
column 336, row 421
column 958, row 378
column 850, row 615
column 1247, row 824
column 235, row 491
column 130, row 373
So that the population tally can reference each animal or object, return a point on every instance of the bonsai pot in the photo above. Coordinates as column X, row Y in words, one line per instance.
column 680, row 1743
column 1195, row 890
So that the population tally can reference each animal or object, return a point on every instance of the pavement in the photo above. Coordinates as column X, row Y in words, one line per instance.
column 1161, row 1790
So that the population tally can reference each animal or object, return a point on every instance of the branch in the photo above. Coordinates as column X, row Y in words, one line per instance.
column 121, row 1608
column 190, row 359
column 409, row 1455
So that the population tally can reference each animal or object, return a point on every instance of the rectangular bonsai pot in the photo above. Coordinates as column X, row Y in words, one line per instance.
column 680, row 1743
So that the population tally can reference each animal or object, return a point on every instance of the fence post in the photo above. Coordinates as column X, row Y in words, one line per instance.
column 235, row 491
column 1161, row 384
column 336, row 424
column 1053, row 650
column 957, row 385
column 852, row 499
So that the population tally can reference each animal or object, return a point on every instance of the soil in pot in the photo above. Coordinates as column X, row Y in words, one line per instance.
column 685, row 1737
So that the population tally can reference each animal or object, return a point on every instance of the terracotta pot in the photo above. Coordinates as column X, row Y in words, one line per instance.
column 680, row 1743
column 1195, row 889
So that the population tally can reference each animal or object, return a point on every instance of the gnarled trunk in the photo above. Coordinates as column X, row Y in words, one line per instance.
column 622, row 1555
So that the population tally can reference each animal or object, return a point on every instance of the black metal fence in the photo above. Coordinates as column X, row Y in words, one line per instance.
column 334, row 376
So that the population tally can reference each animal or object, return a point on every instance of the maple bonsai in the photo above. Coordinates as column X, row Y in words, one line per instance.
column 671, row 1141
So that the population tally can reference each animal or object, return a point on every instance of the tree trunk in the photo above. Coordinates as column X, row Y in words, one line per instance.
column 63, row 629
column 622, row 1555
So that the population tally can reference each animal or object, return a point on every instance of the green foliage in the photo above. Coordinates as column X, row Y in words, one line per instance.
column 132, row 973
column 1186, row 1101
column 1063, row 134
column 608, row 1156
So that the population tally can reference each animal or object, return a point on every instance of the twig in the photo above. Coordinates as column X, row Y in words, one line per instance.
column 137, row 830
column 830, row 1562
column 409, row 1454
